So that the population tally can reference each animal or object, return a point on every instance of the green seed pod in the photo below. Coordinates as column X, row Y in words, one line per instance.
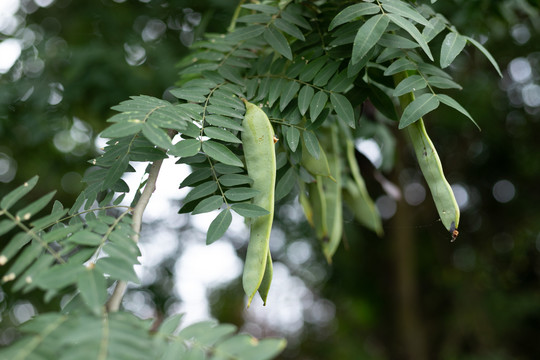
column 332, row 198
column 357, row 196
column 431, row 168
column 304, row 202
column 313, row 165
column 318, row 205
column 264, row 288
column 260, row 157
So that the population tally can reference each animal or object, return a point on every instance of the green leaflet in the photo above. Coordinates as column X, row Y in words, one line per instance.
column 368, row 35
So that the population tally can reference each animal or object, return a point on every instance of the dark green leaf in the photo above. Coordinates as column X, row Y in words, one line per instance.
column 60, row 232
column 402, row 64
column 5, row 226
column 289, row 28
column 121, row 129
column 326, row 73
column 227, row 169
column 222, row 121
column 194, row 94
column 116, row 171
column 148, row 153
column 413, row 31
column 221, row 153
column 312, row 68
column 221, row 134
column 231, row 73
column 452, row 45
column 289, row 92
column 85, row 237
column 199, row 67
column 157, row 136
column 118, row 269
column 267, row 9
column 251, row 88
column 437, row 25
column 241, row 193
column 254, row 18
column 354, row 12
column 219, row 226
column 196, row 176
column 235, row 179
column 285, row 184
column 201, row 191
column 341, row 82
column 276, row 39
column 281, row 160
column 225, row 98
column 304, row 98
column 226, row 111
column 295, row 18
column 170, row 324
column 396, row 41
column 93, row 288
column 119, row 250
column 59, row 276
column 312, row 144
column 442, row 83
column 317, row 105
column 419, row 107
column 343, row 108
column 249, row 210
column 185, row 148
column 209, row 204
column 11, row 198
column 402, row 8
column 293, row 137
column 276, row 88
column 410, row 84
column 246, row 33
column 367, row 36
column 30, row 210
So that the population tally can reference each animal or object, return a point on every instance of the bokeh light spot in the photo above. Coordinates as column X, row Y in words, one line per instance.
column 10, row 50
column 462, row 196
column 414, row 193
column 386, row 206
column 504, row 191
column 520, row 70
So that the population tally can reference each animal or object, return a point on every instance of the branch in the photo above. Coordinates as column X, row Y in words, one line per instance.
column 113, row 304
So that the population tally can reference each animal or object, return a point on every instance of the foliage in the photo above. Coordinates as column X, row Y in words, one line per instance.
column 312, row 68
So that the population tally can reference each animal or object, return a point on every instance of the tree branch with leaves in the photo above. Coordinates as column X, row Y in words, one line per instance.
column 308, row 69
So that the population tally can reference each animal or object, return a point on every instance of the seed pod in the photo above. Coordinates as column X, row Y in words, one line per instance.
column 260, row 157
column 431, row 168
column 332, row 198
column 313, row 165
column 357, row 196
column 264, row 288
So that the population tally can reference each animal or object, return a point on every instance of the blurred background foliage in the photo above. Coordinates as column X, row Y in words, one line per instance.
column 409, row 295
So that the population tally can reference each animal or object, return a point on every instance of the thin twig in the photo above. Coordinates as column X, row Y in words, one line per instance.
column 113, row 304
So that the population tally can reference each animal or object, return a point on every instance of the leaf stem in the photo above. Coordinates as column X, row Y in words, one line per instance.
column 235, row 16
column 113, row 304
